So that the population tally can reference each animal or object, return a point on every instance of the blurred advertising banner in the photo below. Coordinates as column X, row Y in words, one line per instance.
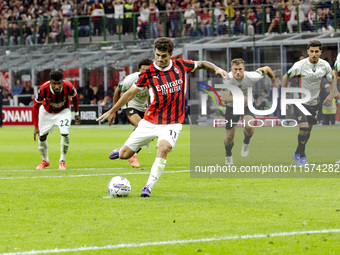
column 24, row 115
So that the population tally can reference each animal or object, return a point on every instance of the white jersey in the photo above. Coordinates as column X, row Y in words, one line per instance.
column 311, row 76
column 248, row 81
column 337, row 63
column 140, row 101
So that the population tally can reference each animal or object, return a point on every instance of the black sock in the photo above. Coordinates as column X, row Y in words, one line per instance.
column 304, row 134
column 246, row 138
column 228, row 149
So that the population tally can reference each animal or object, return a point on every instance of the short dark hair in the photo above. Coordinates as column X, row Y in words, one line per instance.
column 265, row 91
column 56, row 75
column 164, row 44
column 144, row 62
column 314, row 43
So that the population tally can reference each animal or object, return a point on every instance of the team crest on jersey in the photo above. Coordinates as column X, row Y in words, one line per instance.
column 176, row 70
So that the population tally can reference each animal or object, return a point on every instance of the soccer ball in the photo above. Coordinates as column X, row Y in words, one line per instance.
column 119, row 187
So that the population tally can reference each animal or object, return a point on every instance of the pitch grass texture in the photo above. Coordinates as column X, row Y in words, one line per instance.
column 48, row 209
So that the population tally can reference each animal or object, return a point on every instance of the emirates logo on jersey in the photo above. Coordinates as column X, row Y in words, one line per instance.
column 176, row 70
column 170, row 87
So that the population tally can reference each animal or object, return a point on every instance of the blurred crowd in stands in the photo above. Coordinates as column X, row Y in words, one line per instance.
column 52, row 21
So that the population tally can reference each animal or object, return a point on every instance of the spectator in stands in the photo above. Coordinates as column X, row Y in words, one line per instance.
column 14, row 34
column 28, row 90
column 66, row 8
column 311, row 18
column 205, row 24
column 98, row 94
column 154, row 15
column 251, row 19
column 26, row 34
column 109, row 12
column 97, row 13
column 143, row 19
column 2, row 34
column 305, row 7
column 174, row 19
column 274, row 22
column 42, row 22
column 18, row 88
column 119, row 15
column 161, row 6
column 189, row 21
column 55, row 27
column 86, row 94
column 258, row 23
column 83, row 24
column 237, row 23
column 292, row 6
column 128, row 22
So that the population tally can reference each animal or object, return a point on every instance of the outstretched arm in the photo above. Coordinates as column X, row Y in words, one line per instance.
column 206, row 65
column 128, row 95
column 268, row 71
column 284, row 81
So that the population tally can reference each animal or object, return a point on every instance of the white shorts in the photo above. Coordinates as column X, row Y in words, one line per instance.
column 47, row 121
column 147, row 131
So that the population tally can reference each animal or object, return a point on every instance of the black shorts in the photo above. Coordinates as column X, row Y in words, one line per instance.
column 230, row 116
column 131, row 111
column 311, row 119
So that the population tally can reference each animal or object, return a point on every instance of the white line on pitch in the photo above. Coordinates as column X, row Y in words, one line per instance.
column 172, row 242
column 84, row 175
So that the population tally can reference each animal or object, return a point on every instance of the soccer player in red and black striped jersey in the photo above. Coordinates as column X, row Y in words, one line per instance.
column 165, row 115
column 52, row 108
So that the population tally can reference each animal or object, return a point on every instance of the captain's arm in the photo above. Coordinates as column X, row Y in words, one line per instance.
column 206, row 65
column 284, row 81
column 268, row 71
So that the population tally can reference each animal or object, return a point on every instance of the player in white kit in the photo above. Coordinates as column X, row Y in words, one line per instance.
column 243, row 80
column 134, row 110
column 311, row 70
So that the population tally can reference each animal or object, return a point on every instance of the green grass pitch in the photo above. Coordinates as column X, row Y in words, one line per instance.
column 52, row 209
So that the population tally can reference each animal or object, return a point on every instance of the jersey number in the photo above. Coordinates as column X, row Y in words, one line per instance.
column 173, row 133
column 64, row 124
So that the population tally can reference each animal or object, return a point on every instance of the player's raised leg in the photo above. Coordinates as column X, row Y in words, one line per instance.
column 123, row 153
column 248, row 133
column 135, row 119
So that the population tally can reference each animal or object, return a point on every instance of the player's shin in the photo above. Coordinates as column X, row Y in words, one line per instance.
column 302, row 140
column 42, row 145
column 156, row 171
column 64, row 144
column 228, row 148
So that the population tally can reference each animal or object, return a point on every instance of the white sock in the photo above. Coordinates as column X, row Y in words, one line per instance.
column 64, row 143
column 156, row 171
column 42, row 145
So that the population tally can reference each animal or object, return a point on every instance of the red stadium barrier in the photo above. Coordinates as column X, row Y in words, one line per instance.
column 17, row 115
